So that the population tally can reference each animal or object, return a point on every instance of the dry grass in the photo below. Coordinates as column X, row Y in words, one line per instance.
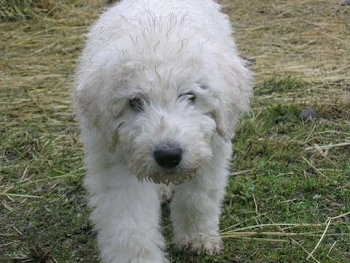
column 37, row 62
column 309, row 39
column 21, row 10
column 305, row 39
column 286, row 232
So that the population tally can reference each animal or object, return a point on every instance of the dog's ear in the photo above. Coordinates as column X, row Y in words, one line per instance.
column 234, row 93
column 96, row 112
column 98, row 103
column 95, row 86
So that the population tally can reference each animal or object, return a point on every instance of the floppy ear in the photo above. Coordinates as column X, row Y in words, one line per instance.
column 234, row 94
column 95, row 95
column 97, row 80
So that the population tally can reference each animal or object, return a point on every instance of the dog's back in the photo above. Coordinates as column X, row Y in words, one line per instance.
column 146, row 21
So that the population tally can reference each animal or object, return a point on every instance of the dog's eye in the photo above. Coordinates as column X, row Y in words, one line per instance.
column 203, row 86
column 188, row 96
column 136, row 104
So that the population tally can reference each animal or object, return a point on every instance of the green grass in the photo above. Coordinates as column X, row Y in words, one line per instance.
column 284, row 170
column 23, row 10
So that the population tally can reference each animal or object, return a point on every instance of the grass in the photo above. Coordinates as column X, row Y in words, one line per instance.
column 19, row 10
column 288, row 198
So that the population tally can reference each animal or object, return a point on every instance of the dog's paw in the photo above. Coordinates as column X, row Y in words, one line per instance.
column 202, row 244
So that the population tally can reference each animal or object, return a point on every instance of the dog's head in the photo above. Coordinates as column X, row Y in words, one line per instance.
column 163, row 109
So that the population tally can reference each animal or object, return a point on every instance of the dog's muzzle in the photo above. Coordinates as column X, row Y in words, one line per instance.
column 168, row 155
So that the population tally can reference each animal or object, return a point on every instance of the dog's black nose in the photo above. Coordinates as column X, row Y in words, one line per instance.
column 168, row 156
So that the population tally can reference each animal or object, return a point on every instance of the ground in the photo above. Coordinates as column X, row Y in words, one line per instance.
column 288, row 197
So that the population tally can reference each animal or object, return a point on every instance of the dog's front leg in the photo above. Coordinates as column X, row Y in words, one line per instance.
column 196, row 207
column 126, row 217
column 195, row 213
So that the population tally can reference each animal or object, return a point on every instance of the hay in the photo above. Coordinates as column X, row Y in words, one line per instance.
column 287, row 232
column 19, row 10
column 306, row 39
column 309, row 38
column 12, row 10
column 38, row 60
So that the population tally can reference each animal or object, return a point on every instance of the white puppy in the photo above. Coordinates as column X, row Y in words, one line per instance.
column 159, row 90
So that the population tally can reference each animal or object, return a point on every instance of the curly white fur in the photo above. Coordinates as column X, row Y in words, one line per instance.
column 158, row 74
